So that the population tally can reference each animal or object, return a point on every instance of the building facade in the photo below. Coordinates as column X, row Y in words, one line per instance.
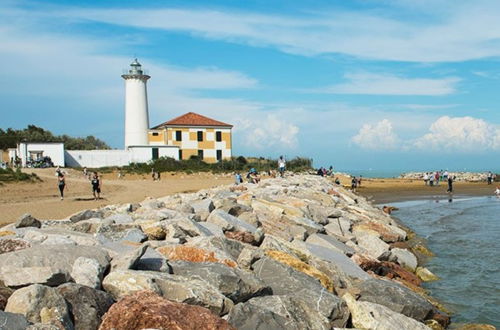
column 195, row 135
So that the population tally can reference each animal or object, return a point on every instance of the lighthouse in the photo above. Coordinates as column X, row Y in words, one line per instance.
column 136, row 106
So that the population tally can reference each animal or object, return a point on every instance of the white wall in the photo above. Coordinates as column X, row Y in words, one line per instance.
column 104, row 158
column 53, row 150
column 96, row 158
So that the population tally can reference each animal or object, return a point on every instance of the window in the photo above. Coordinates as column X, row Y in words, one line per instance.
column 155, row 134
column 218, row 136
column 200, row 136
column 178, row 135
column 155, row 153
column 219, row 155
column 200, row 154
column 180, row 154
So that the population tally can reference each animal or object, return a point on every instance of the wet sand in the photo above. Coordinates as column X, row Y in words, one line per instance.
column 395, row 190
column 42, row 199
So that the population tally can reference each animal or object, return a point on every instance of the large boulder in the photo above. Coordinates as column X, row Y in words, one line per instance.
column 203, row 208
column 11, row 321
column 85, row 215
column 405, row 258
column 40, row 303
column 153, row 260
column 367, row 315
column 147, row 310
column 128, row 260
column 330, row 243
column 55, row 236
column 340, row 228
column 235, row 284
column 174, row 287
column 229, row 222
column 87, row 305
column 285, row 280
column 46, row 264
column 87, row 271
column 374, row 246
column 395, row 297
column 386, row 232
column 277, row 312
column 26, row 220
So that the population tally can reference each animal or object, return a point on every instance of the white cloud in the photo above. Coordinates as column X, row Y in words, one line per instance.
column 460, row 134
column 377, row 137
column 385, row 84
column 456, row 32
column 268, row 131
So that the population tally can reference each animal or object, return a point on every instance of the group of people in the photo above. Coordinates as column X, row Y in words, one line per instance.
column 95, row 181
column 325, row 172
column 433, row 178
column 252, row 177
column 491, row 177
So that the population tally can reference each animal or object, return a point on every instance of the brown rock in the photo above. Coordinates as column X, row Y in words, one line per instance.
column 9, row 245
column 6, row 233
column 193, row 254
column 385, row 233
column 400, row 245
column 241, row 236
column 388, row 269
column 442, row 319
column 389, row 209
column 147, row 310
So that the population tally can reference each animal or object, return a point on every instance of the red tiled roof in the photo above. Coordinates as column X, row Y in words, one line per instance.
column 192, row 119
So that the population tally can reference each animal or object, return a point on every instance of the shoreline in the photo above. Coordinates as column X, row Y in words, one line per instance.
column 381, row 191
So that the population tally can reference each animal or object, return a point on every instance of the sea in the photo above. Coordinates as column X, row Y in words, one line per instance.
column 464, row 233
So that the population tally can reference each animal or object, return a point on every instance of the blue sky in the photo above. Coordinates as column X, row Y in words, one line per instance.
column 354, row 84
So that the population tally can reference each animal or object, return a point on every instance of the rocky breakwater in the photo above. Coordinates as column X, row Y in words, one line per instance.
column 292, row 253
column 459, row 176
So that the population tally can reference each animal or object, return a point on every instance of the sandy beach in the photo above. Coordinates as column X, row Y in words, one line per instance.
column 42, row 199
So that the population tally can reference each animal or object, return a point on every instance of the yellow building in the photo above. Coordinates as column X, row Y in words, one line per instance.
column 195, row 135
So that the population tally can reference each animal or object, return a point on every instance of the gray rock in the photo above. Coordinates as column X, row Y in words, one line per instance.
column 128, row 260
column 87, row 305
column 190, row 227
column 367, row 315
column 340, row 229
column 310, row 226
column 153, row 260
column 229, row 223
column 251, row 218
column 248, row 256
column 374, row 246
column 211, row 229
column 120, row 218
column 396, row 297
column 203, row 208
column 26, row 220
column 318, row 213
column 284, row 280
column 134, row 235
column 174, row 287
column 16, row 277
column 11, row 321
column 330, row 243
column 85, row 215
column 49, row 259
column 297, row 232
column 222, row 247
column 55, row 236
column 152, row 204
column 235, row 284
column 277, row 312
column 340, row 260
column 39, row 303
column 405, row 258
column 87, row 271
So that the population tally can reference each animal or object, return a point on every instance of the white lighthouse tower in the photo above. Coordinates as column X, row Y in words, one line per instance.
column 136, row 106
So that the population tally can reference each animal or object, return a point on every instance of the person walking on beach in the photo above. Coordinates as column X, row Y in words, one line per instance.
column 426, row 179
column 450, row 184
column 282, row 165
column 96, row 186
column 61, row 183
column 490, row 177
column 431, row 179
